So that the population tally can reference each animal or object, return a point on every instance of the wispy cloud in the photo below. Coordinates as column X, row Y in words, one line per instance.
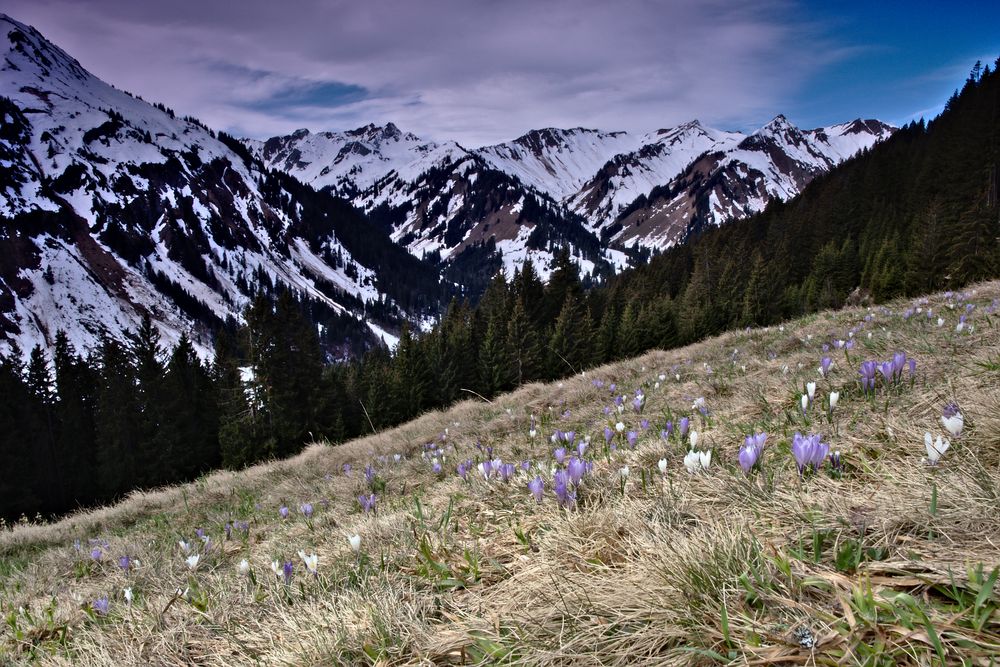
column 478, row 72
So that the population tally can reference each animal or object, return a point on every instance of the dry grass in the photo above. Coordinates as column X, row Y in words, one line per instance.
column 889, row 564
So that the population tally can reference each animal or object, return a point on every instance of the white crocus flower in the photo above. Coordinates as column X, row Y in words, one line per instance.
column 662, row 465
column 623, row 472
column 940, row 321
column 276, row 568
column 805, row 402
column 355, row 542
column 692, row 461
column 185, row 547
column 706, row 459
column 811, row 390
column 192, row 561
column 834, row 397
column 128, row 594
column 311, row 561
column 935, row 448
column 954, row 424
column 620, row 426
column 244, row 566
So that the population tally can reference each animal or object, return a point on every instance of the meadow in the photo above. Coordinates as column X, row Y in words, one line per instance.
column 826, row 491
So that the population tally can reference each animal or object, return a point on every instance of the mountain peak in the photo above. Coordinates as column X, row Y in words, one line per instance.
column 34, row 49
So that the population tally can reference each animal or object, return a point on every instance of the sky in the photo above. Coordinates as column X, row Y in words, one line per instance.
column 485, row 71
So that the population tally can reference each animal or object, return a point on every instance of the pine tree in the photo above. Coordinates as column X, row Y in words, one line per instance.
column 495, row 368
column 117, row 418
column 607, row 336
column 76, row 392
column 523, row 346
column 155, row 456
column 564, row 283
column 191, row 424
column 570, row 344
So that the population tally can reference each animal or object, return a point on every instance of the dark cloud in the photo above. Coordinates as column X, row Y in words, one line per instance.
column 478, row 72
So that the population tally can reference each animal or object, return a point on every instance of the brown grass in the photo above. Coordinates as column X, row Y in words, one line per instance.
column 687, row 569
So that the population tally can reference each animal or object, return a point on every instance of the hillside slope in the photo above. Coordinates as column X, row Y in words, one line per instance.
column 881, row 559
column 113, row 208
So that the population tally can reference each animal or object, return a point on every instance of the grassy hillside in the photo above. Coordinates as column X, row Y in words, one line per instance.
column 881, row 560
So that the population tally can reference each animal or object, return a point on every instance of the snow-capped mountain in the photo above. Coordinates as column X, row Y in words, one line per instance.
column 352, row 161
column 461, row 208
column 114, row 208
column 557, row 162
column 735, row 178
column 648, row 191
column 659, row 157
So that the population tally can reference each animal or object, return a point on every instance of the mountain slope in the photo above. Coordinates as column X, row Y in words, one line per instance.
column 650, row 553
column 736, row 177
column 117, row 208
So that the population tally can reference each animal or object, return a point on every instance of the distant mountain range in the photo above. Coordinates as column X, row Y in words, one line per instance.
column 115, row 208
column 650, row 191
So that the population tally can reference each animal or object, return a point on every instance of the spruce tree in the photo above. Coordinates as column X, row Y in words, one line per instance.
column 523, row 346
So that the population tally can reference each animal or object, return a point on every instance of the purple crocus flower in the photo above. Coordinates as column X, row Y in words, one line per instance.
column 347, row 469
column 683, row 426
column 632, row 437
column 575, row 469
column 561, row 485
column 537, row 488
column 669, row 429
column 200, row 532
column 229, row 531
column 243, row 526
column 96, row 553
column 898, row 364
column 609, row 433
column 124, row 562
column 100, row 606
column 837, row 463
column 525, row 465
column 824, row 365
column 809, row 452
column 570, row 437
column 506, row 471
column 750, row 452
column 367, row 502
column 886, row 370
column 463, row 469
column 560, row 455
column 912, row 364
column 436, row 467
column 644, row 424
column 306, row 509
column 283, row 511
column 867, row 373
column 581, row 447
column 287, row 570
column 369, row 473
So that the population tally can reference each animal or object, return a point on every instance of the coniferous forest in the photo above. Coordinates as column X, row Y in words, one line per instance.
column 916, row 213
